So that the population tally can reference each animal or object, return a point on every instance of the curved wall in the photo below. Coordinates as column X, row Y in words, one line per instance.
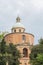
column 16, row 38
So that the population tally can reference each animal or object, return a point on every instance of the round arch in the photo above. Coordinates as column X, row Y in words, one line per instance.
column 25, row 52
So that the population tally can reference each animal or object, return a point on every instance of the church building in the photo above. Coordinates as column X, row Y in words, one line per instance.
column 22, row 39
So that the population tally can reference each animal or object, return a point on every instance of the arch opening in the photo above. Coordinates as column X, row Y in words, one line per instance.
column 25, row 52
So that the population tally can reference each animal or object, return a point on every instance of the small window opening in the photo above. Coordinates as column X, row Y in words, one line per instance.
column 19, row 30
column 15, row 31
column 25, row 52
column 23, row 37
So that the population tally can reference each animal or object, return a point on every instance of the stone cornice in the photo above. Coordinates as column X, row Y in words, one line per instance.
column 19, row 33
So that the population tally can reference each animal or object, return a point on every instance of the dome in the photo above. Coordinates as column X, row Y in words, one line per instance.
column 18, row 24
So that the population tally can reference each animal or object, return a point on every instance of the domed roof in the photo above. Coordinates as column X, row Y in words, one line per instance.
column 18, row 24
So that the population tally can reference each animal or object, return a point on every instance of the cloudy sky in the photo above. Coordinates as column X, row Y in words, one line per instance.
column 30, row 11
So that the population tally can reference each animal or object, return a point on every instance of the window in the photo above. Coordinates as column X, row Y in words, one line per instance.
column 19, row 30
column 25, row 52
column 15, row 31
column 23, row 37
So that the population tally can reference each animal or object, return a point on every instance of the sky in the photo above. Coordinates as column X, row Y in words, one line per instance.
column 30, row 12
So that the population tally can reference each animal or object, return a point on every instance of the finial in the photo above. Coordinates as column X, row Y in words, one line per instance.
column 18, row 19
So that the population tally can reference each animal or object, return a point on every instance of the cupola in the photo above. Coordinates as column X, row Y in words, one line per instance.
column 18, row 27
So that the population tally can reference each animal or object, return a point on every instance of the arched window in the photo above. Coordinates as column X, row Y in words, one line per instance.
column 25, row 52
column 23, row 37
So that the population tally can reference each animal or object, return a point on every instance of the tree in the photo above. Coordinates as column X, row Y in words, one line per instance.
column 36, row 56
column 1, row 37
column 15, row 55
column 41, row 41
column 9, row 53
column 40, row 59
column 3, row 46
column 2, row 34
column 2, row 52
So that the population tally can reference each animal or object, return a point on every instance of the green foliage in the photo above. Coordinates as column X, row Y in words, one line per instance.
column 15, row 55
column 2, row 51
column 3, row 46
column 41, row 41
column 1, row 37
column 9, row 53
column 36, row 56
column 38, row 60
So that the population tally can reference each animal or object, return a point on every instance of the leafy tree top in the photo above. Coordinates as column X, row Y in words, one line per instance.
column 41, row 41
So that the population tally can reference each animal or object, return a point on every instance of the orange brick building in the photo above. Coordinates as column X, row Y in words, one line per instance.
column 23, row 40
